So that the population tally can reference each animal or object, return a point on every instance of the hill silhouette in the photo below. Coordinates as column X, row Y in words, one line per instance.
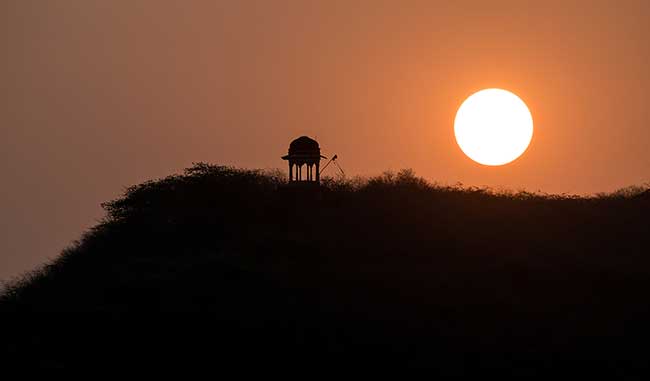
column 225, row 267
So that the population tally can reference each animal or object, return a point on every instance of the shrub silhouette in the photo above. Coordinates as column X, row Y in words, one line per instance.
column 228, row 266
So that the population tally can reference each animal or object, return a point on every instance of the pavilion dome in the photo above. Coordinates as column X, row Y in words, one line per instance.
column 304, row 145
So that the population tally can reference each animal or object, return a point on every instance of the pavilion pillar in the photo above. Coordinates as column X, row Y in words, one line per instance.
column 290, row 171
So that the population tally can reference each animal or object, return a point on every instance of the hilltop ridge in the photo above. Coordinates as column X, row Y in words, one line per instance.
column 219, row 266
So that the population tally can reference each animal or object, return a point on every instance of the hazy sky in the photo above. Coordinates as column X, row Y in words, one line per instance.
column 99, row 95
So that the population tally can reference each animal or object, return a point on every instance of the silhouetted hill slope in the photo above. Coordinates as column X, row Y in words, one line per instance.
column 222, row 267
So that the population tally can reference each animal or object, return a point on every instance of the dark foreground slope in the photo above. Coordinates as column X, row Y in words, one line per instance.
column 221, row 267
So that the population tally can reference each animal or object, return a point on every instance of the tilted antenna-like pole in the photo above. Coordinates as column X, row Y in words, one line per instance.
column 328, row 163
column 340, row 169
column 333, row 160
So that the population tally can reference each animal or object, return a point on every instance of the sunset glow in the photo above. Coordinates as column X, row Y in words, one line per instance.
column 493, row 127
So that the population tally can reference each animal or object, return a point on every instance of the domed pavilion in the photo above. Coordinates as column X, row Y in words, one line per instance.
column 304, row 152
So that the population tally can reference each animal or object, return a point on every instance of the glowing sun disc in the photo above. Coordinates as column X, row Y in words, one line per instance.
column 493, row 127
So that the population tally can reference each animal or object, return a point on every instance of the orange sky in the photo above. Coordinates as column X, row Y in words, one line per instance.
column 100, row 95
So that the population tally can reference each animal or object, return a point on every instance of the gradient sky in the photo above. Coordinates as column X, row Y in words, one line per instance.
column 99, row 95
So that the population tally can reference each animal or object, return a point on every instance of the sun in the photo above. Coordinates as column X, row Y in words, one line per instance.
column 493, row 127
